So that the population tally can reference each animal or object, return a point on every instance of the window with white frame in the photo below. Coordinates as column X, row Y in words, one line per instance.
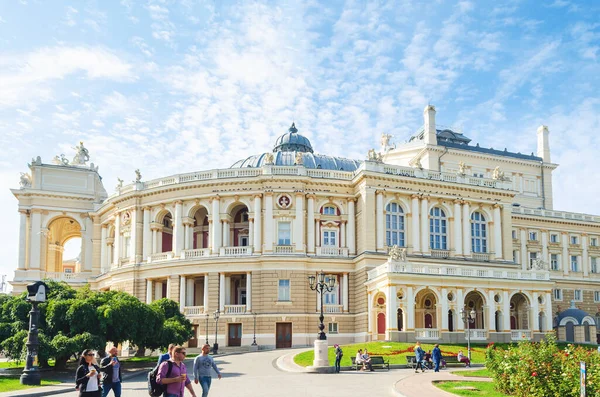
column 284, row 233
column 594, row 264
column 514, row 234
column 329, row 238
column 554, row 238
column 554, row 263
column 283, row 293
column 394, row 225
column 478, row 232
column 557, row 293
column 533, row 236
column 574, row 240
column 577, row 295
column 438, row 237
column 594, row 241
column 329, row 210
column 332, row 298
column 333, row 328
column 574, row 263
column 596, row 296
column 532, row 258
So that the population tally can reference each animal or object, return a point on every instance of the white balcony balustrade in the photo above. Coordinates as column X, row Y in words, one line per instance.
column 481, row 256
column 440, row 254
column 520, row 334
column 70, row 277
column 160, row 257
column 192, row 311
column 476, row 334
column 235, row 309
column 284, row 249
column 333, row 308
column 427, row 333
column 196, row 253
column 235, row 251
column 332, row 251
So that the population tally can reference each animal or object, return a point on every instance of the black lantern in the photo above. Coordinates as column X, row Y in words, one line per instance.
column 216, row 315
column 36, row 294
column 324, row 284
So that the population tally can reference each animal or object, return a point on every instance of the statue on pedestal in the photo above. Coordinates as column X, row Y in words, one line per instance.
column 82, row 156
column 385, row 142
column 120, row 184
column 25, row 180
column 138, row 175
column 62, row 160
column 461, row 169
column 397, row 254
column 269, row 158
column 372, row 155
column 498, row 175
column 299, row 159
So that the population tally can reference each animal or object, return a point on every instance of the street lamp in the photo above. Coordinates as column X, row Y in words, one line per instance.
column 207, row 316
column 254, row 314
column 321, row 284
column 468, row 318
column 216, row 316
column 36, row 294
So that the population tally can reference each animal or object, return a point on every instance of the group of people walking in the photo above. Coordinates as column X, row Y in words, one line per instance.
column 93, row 380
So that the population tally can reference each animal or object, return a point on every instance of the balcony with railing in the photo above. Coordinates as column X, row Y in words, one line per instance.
column 160, row 257
column 555, row 214
column 440, row 254
column 193, row 311
column 195, row 253
column 333, row 308
column 68, row 277
column 520, row 334
column 427, row 333
column 235, row 251
column 332, row 251
column 284, row 249
column 235, row 309
column 481, row 256
column 476, row 334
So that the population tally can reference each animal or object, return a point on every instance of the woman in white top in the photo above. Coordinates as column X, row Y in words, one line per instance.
column 87, row 378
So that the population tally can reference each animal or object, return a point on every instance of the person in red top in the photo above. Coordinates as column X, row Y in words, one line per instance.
column 178, row 380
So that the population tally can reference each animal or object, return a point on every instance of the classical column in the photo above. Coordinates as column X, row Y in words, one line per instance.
column 444, row 310
column 505, row 311
column 36, row 240
column 410, row 309
column 318, row 231
column 310, row 224
column 416, row 235
column 103, row 234
column 250, row 232
column 299, row 223
column 147, row 235
column 178, row 229
column 369, row 314
column 269, row 224
column 458, row 244
column 345, row 292
column 169, row 286
column 133, row 236
column 117, row 243
column 226, row 232
column 154, row 241
column 343, row 234
column 221, row 292
column 523, row 236
column 380, row 226
column 466, row 233
column 205, row 295
column 182, row 285
column 545, row 256
column 565, row 252
column 257, row 223
column 585, row 260
column 248, row 292
column 425, row 225
column 548, row 312
column 534, row 321
column 491, row 312
column 351, row 232
column 391, row 312
column 109, row 252
column 216, row 226
column 497, row 232
column 22, row 238
column 149, row 291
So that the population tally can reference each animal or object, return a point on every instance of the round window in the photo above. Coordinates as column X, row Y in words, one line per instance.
column 450, row 297
column 380, row 301
column 427, row 303
column 400, row 295
column 497, row 298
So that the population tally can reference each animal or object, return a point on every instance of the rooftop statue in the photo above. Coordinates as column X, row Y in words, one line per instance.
column 299, row 159
column 461, row 169
column 82, row 156
column 120, row 184
column 62, row 160
column 385, row 142
column 418, row 164
column 25, row 180
column 372, row 155
column 269, row 158
column 498, row 175
column 138, row 175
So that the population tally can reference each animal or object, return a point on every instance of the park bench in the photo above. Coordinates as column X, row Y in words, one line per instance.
column 376, row 362
column 450, row 360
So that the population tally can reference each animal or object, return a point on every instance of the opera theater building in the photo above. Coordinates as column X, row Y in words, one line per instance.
column 413, row 235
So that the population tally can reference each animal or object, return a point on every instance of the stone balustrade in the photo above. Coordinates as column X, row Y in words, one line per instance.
column 192, row 311
column 332, row 251
column 333, row 308
column 427, row 333
column 520, row 334
column 235, row 309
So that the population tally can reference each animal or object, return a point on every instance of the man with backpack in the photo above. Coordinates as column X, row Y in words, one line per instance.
column 172, row 374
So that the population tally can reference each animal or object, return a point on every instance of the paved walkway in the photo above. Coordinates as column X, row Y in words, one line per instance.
column 421, row 384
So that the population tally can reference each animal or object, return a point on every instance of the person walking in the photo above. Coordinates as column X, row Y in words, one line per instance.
column 436, row 356
column 202, row 365
column 178, row 380
column 87, row 377
column 419, row 356
column 111, row 373
column 167, row 356
column 338, row 357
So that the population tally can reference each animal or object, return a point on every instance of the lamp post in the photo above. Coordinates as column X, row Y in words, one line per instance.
column 254, row 314
column 207, row 316
column 468, row 318
column 36, row 294
column 216, row 345
column 322, row 285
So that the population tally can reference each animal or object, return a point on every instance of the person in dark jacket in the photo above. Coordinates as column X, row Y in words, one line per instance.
column 436, row 356
column 338, row 357
column 111, row 373
column 87, row 377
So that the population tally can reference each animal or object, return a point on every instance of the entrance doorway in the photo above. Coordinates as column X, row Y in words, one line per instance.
column 234, row 335
column 193, row 342
column 381, row 326
column 283, row 335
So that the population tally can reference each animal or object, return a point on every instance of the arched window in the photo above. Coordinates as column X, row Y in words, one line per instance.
column 329, row 210
column 394, row 225
column 478, row 232
column 438, row 237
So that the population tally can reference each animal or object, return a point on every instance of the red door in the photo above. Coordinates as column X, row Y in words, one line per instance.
column 428, row 321
column 381, row 323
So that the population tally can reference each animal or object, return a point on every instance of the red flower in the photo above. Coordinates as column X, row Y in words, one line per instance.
column 534, row 374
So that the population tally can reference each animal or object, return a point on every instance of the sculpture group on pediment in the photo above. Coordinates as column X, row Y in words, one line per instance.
column 397, row 254
column 372, row 155
column 269, row 158
column 25, row 180
column 62, row 160
column 81, row 156
column 138, row 175
column 498, row 174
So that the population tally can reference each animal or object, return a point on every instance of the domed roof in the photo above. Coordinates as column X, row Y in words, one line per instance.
column 309, row 160
column 574, row 313
column 291, row 141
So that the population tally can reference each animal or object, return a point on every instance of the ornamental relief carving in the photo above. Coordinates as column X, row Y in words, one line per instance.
column 284, row 201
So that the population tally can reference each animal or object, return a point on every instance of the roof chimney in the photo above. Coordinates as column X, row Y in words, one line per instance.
column 543, row 143
column 429, row 134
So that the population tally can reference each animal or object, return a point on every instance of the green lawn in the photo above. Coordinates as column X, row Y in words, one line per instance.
column 12, row 364
column 395, row 352
column 480, row 373
column 12, row 384
column 480, row 389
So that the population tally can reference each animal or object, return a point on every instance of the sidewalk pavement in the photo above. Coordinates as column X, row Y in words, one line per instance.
column 421, row 384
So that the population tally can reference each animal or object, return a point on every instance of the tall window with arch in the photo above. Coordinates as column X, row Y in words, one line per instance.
column 478, row 232
column 394, row 225
column 438, row 236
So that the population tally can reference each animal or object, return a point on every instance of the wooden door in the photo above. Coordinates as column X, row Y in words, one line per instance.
column 381, row 323
column 234, row 335
column 283, row 335
column 193, row 342
column 428, row 320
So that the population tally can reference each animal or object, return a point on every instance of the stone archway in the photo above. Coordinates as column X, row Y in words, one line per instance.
column 476, row 301
column 519, row 312
column 426, row 309
column 60, row 231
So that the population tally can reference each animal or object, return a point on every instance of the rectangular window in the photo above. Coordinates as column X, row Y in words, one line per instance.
column 533, row 236
column 596, row 296
column 557, row 293
column 554, row 263
column 577, row 295
column 532, row 259
column 283, row 294
column 333, row 328
column 574, row 264
column 554, row 238
column 284, row 233
column 594, row 264
column 330, row 238
column 514, row 234
column 68, row 270
column 594, row 241
column 574, row 240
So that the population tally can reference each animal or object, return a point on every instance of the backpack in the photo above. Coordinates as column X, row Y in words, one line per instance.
column 154, row 388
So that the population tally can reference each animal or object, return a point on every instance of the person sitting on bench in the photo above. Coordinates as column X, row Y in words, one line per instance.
column 367, row 360
column 463, row 359
column 359, row 359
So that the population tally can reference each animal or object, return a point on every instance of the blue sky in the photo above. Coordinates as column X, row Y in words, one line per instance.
column 178, row 86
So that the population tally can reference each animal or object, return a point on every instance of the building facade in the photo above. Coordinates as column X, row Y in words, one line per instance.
column 474, row 227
